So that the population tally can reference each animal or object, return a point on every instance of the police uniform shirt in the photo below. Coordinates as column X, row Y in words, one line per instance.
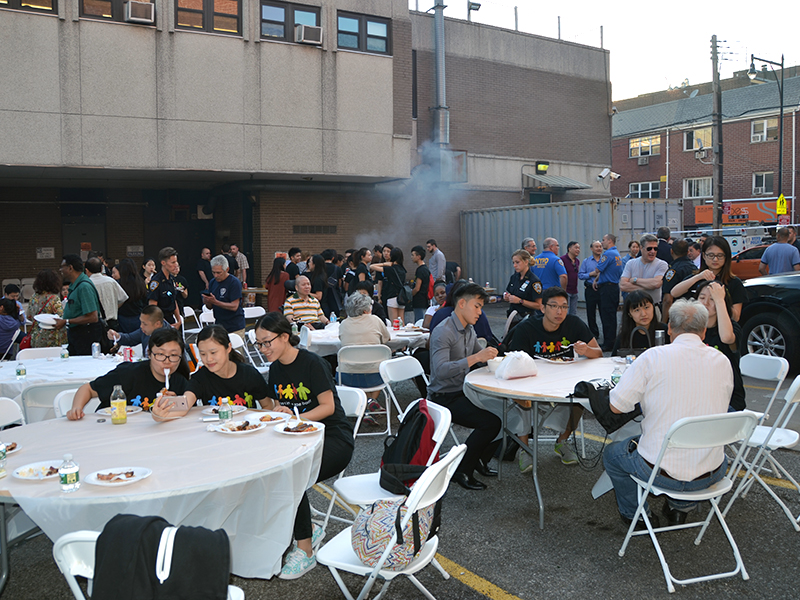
column 681, row 269
column 527, row 288
column 548, row 267
column 610, row 266
column 162, row 290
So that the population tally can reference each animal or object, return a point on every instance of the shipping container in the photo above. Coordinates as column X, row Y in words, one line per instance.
column 490, row 236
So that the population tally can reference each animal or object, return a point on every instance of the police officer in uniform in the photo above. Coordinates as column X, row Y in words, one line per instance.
column 524, row 290
column 162, row 291
column 681, row 268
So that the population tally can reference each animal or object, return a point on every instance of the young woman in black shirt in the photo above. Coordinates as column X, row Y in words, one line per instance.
column 302, row 380
column 638, row 311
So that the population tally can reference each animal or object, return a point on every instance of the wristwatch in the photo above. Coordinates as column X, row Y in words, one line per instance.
column 66, row 323
column 634, row 280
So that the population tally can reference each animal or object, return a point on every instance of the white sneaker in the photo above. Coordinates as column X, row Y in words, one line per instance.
column 568, row 456
column 297, row 564
column 317, row 536
column 525, row 461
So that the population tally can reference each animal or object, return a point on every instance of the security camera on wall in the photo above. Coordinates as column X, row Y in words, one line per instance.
column 614, row 175
column 603, row 174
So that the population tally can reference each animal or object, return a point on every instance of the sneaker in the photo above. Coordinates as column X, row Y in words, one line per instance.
column 568, row 456
column 317, row 536
column 297, row 564
column 368, row 420
column 374, row 406
column 525, row 462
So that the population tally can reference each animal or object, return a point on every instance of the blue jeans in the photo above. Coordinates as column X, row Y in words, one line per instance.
column 621, row 460
column 573, row 304
column 419, row 313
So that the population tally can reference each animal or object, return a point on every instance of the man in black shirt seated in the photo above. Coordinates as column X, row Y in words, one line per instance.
column 557, row 336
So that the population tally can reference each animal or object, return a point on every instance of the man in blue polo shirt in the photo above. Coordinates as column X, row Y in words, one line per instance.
column 225, row 297
column 608, row 272
column 549, row 267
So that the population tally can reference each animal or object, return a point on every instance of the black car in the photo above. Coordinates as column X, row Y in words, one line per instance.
column 770, row 318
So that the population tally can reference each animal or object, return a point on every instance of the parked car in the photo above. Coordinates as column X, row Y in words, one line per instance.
column 770, row 317
column 745, row 264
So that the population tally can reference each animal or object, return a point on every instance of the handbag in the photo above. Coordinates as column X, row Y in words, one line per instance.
column 406, row 292
column 102, row 325
column 630, row 350
column 597, row 391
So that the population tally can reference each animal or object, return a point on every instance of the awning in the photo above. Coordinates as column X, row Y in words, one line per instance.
column 533, row 180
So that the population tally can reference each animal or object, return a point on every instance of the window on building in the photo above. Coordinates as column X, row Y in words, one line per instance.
column 644, row 146
column 648, row 189
column 213, row 16
column 113, row 10
column 762, row 183
column 699, row 187
column 364, row 33
column 49, row 6
column 278, row 19
column 697, row 139
column 764, row 130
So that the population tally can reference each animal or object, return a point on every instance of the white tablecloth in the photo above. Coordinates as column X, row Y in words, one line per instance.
column 46, row 370
column 250, row 484
column 324, row 342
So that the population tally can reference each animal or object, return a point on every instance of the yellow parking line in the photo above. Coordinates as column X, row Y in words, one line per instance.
column 757, row 387
column 476, row 582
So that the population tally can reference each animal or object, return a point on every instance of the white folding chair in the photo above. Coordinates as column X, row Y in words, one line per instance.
column 10, row 413
column 37, row 400
column 237, row 343
column 403, row 368
column 338, row 554
column 254, row 312
column 188, row 313
column 707, row 431
column 508, row 323
column 26, row 292
column 62, row 403
column 765, row 368
column 369, row 353
column 363, row 490
column 354, row 403
column 768, row 439
column 10, row 280
column 32, row 353
column 74, row 555
column 207, row 317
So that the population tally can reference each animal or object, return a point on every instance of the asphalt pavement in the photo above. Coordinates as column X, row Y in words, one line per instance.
column 491, row 543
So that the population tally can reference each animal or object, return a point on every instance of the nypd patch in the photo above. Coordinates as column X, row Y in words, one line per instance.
column 153, row 285
column 669, row 275
column 537, row 287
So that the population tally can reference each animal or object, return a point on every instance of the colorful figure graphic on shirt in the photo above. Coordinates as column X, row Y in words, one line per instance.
column 302, row 392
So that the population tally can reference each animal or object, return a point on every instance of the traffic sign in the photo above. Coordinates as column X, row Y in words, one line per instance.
column 780, row 208
column 783, row 220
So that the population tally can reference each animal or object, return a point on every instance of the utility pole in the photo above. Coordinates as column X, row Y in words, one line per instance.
column 716, row 135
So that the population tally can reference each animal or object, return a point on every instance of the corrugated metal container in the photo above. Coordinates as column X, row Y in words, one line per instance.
column 489, row 237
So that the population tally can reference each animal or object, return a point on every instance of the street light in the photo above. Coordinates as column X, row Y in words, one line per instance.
column 752, row 75
column 472, row 6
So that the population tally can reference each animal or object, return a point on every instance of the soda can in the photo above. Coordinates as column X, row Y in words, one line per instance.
column 396, row 325
column 96, row 352
column 127, row 354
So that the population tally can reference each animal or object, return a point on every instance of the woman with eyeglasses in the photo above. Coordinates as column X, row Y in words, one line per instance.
column 717, row 257
column 145, row 378
column 299, row 379
column 223, row 374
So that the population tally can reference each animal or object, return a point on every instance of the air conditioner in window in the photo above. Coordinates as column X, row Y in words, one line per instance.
column 759, row 191
column 308, row 34
column 140, row 12
column 644, row 160
column 756, row 138
column 702, row 153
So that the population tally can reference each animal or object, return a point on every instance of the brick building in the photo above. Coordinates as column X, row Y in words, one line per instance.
column 273, row 124
column 663, row 148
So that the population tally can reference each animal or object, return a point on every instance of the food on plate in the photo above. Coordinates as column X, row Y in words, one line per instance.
column 563, row 359
column 241, row 426
column 11, row 447
column 110, row 476
column 301, row 427
column 39, row 472
column 268, row 418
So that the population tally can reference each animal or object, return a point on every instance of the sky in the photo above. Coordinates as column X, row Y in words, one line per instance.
column 654, row 45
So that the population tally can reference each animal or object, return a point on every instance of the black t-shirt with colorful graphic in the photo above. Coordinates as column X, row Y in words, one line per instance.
column 136, row 379
column 299, row 383
column 530, row 336
column 247, row 380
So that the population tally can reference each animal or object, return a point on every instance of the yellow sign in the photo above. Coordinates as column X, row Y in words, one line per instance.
column 781, row 206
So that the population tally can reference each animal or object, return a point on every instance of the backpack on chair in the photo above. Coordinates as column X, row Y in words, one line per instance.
column 405, row 454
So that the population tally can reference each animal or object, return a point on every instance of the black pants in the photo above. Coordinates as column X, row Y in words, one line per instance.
column 336, row 455
column 485, row 427
column 81, row 338
column 609, row 301
column 592, row 304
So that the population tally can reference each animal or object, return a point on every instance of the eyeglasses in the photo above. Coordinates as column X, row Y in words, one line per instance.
column 558, row 307
column 173, row 358
column 710, row 256
column 265, row 343
column 651, row 249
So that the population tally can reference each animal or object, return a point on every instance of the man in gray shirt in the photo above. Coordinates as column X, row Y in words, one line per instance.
column 646, row 273
column 437, row 262
column 454, row 350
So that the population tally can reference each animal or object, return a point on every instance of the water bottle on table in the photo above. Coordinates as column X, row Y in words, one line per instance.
column 69, row 475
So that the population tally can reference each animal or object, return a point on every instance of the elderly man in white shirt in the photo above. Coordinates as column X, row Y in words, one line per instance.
column 110, row 292
column 683, row 379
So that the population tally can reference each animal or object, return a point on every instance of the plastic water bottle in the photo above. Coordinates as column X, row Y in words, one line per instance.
column 119, row 403
column 616, row 375
column 65, row 352
column 225, row 412
column 295, row 331
column 69, row 474
column 333, row 317
column 21, row 371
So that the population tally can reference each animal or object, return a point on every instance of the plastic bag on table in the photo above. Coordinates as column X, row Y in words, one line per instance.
column 516, row 365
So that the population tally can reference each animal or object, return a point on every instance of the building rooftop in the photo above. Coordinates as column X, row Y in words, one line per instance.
column 736, row 103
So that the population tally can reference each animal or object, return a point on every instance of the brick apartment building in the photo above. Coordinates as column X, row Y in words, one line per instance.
column 226, row 122
column 662, row 148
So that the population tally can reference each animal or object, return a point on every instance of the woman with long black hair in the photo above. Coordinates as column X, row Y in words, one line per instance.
column 276, row 290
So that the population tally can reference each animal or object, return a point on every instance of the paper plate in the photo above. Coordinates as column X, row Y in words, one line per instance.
column 139, row 473
column 36, row 471
column 235, row 409
column 280, row 428
column 229, row 428
column 130, row 409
